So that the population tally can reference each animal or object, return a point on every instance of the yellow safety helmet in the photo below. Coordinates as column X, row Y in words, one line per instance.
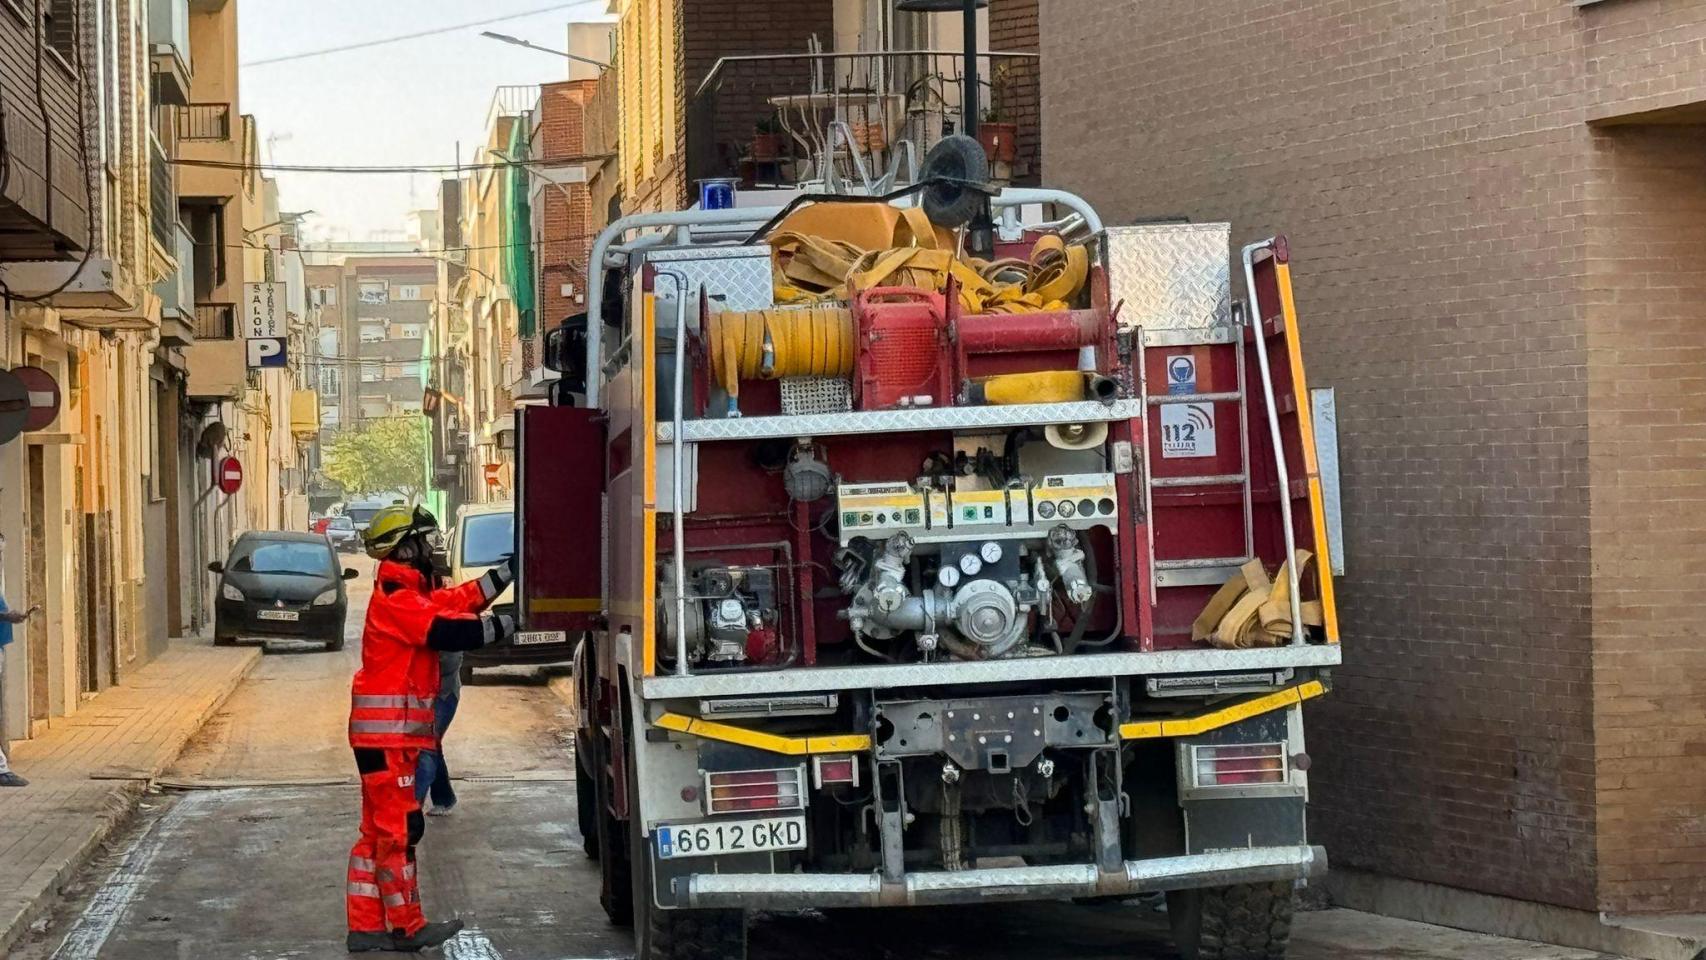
column 392, row 525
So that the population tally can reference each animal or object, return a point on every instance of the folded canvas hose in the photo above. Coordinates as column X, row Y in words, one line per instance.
column 1251, row 610
column 1048, row 386
column 814, row 341
column 812, row 268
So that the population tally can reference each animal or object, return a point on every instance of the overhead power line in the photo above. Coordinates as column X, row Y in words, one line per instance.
column 417, row 35
column 395, row 168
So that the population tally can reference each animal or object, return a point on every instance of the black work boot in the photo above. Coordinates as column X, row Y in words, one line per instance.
column 431, row 935
column 363, row 941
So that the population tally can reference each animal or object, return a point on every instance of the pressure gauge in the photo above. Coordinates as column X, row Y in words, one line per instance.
column 991, row 552
column 948, row 576
column 1045, row 510
column 1068, row 509
column 970, row 564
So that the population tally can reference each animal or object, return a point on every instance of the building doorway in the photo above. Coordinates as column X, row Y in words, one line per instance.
column 35, row 584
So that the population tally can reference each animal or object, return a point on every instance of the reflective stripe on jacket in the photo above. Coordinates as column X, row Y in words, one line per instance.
column 392, row 694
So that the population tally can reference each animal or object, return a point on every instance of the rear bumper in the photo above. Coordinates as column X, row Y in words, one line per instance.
column 239, row 619
column 800, row 891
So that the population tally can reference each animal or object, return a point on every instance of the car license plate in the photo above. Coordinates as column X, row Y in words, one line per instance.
column 528, row 637
column 288, row 616
column 731, row 836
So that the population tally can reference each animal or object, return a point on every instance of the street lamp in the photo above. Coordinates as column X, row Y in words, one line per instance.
column 518, row 42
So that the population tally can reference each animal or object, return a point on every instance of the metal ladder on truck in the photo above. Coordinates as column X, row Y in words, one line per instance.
column 1213, row 504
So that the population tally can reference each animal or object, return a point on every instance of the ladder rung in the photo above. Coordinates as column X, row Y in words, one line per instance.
column 1198, row 563
column 1210, row 481
column 1195, row 398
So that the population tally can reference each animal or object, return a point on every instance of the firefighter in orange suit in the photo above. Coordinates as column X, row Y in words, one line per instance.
column 409, row 621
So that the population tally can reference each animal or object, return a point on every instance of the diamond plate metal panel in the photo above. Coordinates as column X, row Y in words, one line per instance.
column 1174, row 279
column 889, row 421
column 740, row 276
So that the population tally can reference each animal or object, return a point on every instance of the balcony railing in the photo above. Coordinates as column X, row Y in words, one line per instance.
column 215, row 321
column 162, row 194
column 204, row 121
column 787, row 119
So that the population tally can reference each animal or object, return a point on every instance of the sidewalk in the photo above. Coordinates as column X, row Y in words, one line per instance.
column 88, row 771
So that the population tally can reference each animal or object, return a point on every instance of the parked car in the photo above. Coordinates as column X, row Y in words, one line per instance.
column 279, row 584
column 343, row 535
column 482, row 537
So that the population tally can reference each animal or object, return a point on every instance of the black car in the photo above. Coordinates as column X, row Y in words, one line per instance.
column 281, row 585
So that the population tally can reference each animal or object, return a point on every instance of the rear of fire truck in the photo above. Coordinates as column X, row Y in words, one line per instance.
column 913, row 578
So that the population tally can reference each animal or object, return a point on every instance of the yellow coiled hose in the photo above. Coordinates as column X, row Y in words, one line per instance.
column 815, row 341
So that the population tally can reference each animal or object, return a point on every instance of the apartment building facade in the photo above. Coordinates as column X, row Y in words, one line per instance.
column 1497, row 216
column 103, row 507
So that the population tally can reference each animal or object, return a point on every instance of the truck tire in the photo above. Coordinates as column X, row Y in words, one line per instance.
column 1250, row 921
column 616, row 896
column 677, row 934
column 586, row 805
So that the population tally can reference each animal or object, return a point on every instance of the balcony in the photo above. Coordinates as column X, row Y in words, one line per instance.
column 177, row 291
column 215, row 321
column 204, row 121
column 860, row 120
column 169, row 48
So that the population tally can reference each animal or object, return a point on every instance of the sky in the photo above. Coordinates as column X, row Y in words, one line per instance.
column 401, row 103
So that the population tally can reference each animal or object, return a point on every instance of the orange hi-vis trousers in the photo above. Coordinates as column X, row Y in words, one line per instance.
column 384, row 893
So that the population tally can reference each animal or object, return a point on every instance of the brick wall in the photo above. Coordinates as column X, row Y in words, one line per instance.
column 1013, row 29
column 1445, row 199
column 562, row 217
column 1646, row 334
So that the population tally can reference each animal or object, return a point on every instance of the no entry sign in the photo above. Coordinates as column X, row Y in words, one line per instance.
column 44, row 397
column 228, row 475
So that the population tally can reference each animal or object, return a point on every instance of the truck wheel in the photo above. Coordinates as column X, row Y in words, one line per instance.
column 678, row 934
column 616, row 895
column 586, row 805
column 1250, row 921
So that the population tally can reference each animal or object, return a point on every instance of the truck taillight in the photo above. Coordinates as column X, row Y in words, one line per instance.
column 738, row 791
column 1234, row 765
column 829, row 771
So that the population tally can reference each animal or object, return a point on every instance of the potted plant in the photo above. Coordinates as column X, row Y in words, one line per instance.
column 766, row 140
column 998, row 135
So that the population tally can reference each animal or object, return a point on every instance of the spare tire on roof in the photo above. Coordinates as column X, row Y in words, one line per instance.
column 960, row 159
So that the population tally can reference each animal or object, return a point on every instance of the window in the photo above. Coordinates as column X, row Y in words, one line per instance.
column 372, row 332
column 328, row 381
column 325, row 296
column 59, row 25
column 297, row 558
column 375, row 291
column 408, row 291
column 487, row 538
column 370, row 373
column 411, row 331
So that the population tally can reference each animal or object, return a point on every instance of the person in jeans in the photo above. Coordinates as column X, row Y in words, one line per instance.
column 432, row 776
column 8, row 619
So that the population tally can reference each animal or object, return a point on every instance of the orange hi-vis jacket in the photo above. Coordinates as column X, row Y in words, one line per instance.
column 391, row 698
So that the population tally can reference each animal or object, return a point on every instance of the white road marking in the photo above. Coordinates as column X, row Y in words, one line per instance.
column 109, row 905
column 471, row 944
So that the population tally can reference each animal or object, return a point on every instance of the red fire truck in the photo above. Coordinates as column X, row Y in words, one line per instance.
column 932, row 593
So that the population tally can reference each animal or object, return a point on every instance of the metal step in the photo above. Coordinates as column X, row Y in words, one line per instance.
column 1197, row 572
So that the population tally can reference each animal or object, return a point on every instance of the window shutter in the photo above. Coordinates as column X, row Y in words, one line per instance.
column 60, row 24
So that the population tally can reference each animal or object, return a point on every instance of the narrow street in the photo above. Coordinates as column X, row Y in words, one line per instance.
column 242, row 853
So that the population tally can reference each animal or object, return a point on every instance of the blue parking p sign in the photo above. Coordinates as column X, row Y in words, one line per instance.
column 1182, row 373
column 267, row 352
